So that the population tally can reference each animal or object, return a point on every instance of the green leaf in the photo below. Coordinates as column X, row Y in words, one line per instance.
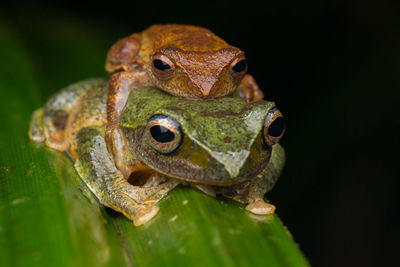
column 49, row 218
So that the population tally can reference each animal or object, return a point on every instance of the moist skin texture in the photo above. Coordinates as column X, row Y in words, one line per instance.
column 221, row 151
column 198, row 65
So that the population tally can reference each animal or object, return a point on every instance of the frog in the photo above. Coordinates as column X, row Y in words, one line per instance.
column 183, row 60
column 221, row 146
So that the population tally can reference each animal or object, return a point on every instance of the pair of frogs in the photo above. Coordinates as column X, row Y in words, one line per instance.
column 178, row 108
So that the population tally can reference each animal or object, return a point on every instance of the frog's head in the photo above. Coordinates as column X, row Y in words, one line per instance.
column 216, row 141
column 195, row 59
column 184, row 60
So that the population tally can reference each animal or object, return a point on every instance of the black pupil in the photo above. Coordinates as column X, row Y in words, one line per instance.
column 240, row 66
column 277, row 127
column 161, row 134
column 161, row 65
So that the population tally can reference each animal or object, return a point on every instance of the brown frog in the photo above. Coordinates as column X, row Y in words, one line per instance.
column 183, row 60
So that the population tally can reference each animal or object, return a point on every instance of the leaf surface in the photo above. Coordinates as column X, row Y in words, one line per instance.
column 49, row 218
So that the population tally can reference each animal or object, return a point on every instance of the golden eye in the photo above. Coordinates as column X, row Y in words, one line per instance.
column 162, row 67
column 274, row 127
column 164, row 133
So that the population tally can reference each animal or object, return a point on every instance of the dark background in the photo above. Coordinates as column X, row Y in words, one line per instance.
column 332, row 68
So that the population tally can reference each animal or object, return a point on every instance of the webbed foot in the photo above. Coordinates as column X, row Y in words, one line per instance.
column 138, row 202
column 145, row 214
column 260, row 207
column 98, row 171
column 43, row 129
column 149, row 195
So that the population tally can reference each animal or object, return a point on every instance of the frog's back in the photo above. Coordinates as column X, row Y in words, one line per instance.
column 77, row 106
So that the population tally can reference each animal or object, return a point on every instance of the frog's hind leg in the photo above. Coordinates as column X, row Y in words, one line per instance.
column 98, row 171
column 50, row 122
column 54, row 130
column 46, row 128
column 252, row 193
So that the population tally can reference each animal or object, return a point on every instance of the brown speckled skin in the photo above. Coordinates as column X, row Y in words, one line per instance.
column 202, row 63
column 201, row 58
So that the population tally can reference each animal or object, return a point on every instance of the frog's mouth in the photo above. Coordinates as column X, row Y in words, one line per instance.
column 191, row 164
column 147, row 174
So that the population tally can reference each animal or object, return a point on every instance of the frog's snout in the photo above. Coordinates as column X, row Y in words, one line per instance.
column 232, row 161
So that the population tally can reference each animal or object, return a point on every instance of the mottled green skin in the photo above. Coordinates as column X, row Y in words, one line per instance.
column 221, row 146
column 222, row 137
column 98, row 171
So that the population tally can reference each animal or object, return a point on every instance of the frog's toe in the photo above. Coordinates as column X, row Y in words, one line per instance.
column 150, row 195
column 144, row 214
column 36, row 133
column 260, row 207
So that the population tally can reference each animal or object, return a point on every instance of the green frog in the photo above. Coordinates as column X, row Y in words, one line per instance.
column 220, row 146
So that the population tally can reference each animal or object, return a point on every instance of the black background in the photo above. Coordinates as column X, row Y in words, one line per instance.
column 332, row 68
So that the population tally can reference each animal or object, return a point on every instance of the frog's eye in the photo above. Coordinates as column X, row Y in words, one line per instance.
column 162, row 67
column 274, row 127
column 164, row 133
column 238, row 67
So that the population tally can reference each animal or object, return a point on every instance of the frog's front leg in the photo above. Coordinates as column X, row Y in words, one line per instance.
column 264, row 183
column 249, row 90
column 109, row 185
column 119, row 87
column 252, row 192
